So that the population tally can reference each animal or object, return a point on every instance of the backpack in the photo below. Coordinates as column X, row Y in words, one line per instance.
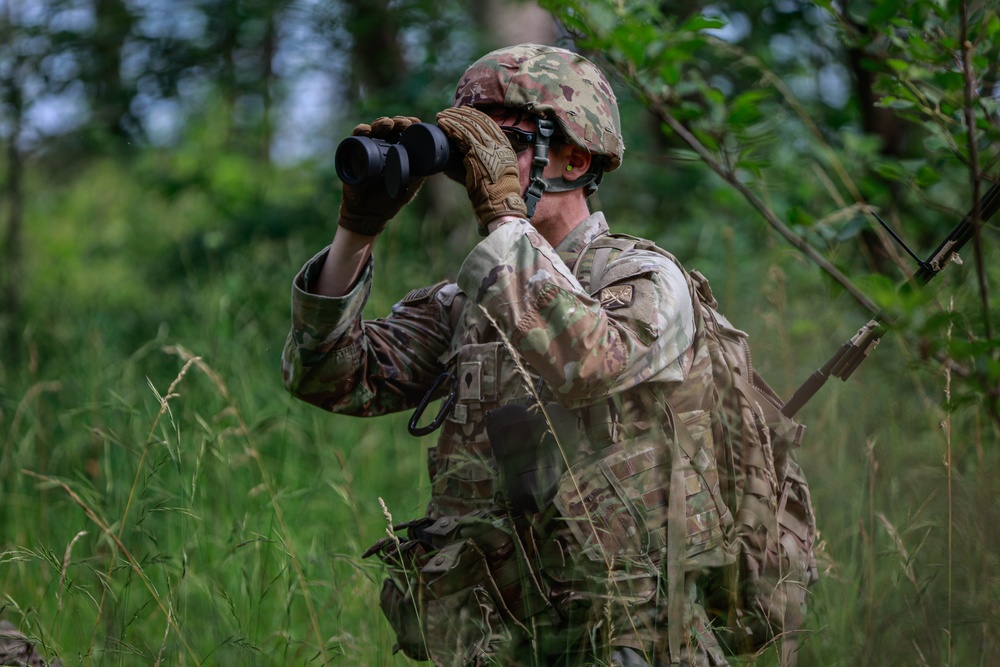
column 758, row 597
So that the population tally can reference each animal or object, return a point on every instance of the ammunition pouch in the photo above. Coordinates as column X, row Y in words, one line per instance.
column 456, row 590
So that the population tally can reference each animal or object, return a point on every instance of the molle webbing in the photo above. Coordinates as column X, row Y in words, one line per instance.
column 764, row 596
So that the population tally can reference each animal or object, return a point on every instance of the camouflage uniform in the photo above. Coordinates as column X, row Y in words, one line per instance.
column 612, row 351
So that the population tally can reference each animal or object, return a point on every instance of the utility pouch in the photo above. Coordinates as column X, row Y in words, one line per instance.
column 400, row 599
column 530, row 446
column 450, row 566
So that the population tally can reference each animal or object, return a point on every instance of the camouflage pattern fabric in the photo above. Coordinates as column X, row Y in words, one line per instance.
column 757, row 589
column 554, row 83
column 599, row 349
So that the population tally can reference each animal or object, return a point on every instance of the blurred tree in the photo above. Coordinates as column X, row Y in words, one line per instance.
column 20, row 59
column 239, row 57
column 10, row 267
column 100, row 56
column 376, row 51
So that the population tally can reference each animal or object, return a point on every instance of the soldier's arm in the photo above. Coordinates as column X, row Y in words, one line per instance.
column 583, row 349
column 347, row 257
column 340, row 363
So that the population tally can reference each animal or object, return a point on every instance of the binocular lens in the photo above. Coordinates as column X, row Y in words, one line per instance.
column 421, row 150
column 359, row 159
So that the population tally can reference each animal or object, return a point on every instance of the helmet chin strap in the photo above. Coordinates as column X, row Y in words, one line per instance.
column 537, row 186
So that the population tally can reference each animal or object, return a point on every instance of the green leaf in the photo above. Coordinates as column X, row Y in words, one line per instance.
column 890, row 102
column 951, row 80
column 706, row 138
column 891, row 171
column 700, row 22
column 745, row 109
column 927, row 176
column 882, row 289
column 670, row 72
column 884, row 12
column 680, row 154
column 713, row 95
column 797, row 216
column 991, row 26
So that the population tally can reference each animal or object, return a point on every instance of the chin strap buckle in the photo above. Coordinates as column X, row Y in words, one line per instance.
column 537, row 184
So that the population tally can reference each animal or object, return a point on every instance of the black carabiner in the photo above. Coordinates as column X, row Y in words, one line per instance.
column 446, row 406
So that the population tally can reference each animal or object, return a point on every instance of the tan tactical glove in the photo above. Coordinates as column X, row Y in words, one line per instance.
column 367, row 207
column 491, row 175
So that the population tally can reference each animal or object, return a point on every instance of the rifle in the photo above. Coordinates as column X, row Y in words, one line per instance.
column 850, row 355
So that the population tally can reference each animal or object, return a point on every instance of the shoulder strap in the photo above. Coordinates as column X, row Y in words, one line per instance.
column 596, row 255
column 601, row 258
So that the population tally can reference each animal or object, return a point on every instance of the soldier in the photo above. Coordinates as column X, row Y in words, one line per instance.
column 545, row 541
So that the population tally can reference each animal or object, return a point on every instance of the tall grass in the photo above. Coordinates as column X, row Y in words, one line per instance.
column 183, row 532
column 165, row 502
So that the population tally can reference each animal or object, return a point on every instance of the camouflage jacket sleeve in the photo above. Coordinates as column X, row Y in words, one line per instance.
column 584, row 349
column 338, row 362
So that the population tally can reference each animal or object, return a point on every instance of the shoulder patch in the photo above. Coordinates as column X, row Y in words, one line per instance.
column 617, row 296
column 422, row 293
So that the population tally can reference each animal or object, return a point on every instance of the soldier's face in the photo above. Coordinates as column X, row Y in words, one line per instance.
column 557, row 212
column 558, row 152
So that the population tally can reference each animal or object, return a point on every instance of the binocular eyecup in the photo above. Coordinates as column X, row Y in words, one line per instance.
column 420, row 150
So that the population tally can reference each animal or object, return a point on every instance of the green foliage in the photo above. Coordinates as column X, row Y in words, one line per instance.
column 219, row 491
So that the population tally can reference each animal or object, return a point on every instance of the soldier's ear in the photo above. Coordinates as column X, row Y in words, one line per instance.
column 577, row 164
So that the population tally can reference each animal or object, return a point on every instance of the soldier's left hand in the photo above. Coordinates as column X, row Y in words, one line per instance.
column 367, row 207
column 491, row 174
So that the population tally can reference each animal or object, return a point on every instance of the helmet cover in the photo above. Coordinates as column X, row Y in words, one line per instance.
column 554, row 83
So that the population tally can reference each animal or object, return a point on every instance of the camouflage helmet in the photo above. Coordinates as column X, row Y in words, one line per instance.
column 554, row 83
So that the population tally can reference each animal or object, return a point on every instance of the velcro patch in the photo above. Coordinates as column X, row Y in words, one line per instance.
column 418, row 295
column 616, row 296
column 514, row 203
column 470, row 380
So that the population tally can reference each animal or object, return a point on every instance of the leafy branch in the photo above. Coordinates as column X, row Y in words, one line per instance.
column 731, row 176
column 929, row 65
column 660, row 99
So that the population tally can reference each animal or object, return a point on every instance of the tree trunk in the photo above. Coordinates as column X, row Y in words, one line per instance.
column 111, row 98
column 376, row 53
column 268, row 48
column 11, row 271
column 12, row 101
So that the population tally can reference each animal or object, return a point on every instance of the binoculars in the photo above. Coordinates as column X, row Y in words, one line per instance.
column 420, row 150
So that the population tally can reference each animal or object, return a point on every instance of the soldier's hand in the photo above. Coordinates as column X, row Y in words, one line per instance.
column 367, row 207
column 491, row 174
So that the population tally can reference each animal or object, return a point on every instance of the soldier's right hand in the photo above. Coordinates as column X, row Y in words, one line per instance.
column 367, row 207
column 492, row 178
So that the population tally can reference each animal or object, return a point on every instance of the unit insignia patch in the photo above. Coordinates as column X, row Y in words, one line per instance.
column 617, row 296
